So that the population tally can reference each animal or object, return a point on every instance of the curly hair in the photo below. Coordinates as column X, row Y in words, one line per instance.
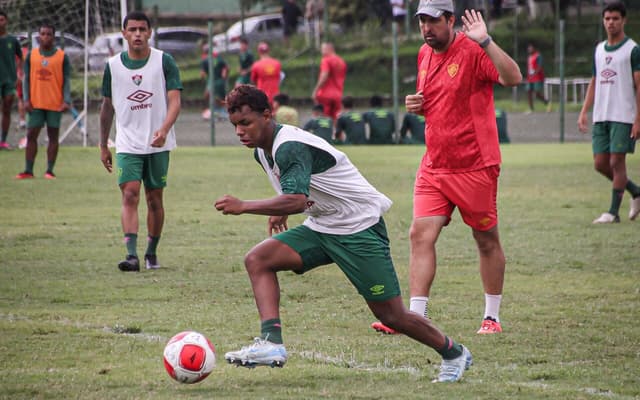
column 247, row 95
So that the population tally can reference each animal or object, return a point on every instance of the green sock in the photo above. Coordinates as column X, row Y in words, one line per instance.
column 50, row 165
column 4, row 136
column 152, row 244
column 28, row 166
column 271, row 330
column 131, row 241
column 632, row 188
column 616, row 200
column 450, row 350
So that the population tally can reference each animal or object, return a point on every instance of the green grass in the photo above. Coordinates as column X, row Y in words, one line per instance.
column 73, row 326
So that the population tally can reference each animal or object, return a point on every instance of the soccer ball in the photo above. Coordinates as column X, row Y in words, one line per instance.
column 189, row 357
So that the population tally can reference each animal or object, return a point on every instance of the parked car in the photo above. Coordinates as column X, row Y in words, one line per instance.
column 73, row 46
column 268, row 27
column 177, row 41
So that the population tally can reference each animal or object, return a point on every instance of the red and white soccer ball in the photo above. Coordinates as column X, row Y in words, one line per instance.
column 189, row 357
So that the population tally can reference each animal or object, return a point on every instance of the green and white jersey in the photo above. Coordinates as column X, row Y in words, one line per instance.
column 9, row 50
column 615, row 93
column 138, row 91
column 339, row 199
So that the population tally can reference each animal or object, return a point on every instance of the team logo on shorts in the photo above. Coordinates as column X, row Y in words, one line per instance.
column 377, row 290
column 137, row 79
column 452, row 69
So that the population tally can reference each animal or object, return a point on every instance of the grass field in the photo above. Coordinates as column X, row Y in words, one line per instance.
column 73, row 327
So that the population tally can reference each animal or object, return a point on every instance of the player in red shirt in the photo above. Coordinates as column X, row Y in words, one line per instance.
column 330, row 86
column 456, row 74
column 265, row 72
column 535, row 76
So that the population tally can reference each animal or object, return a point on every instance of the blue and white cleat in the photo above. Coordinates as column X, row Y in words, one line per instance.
column 452, row 370
column 261, row 352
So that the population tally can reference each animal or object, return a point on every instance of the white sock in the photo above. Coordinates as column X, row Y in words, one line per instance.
column 418, row 305
column 492, row 306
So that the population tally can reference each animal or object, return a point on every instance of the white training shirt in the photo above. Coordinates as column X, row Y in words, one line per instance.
column 341, row 201
column 139, row 97
column 615, row 95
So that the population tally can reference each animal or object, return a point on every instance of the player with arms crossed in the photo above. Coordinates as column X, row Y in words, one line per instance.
column 141, row 86
column 344, row 225
column 456, row 74
column 614, row 93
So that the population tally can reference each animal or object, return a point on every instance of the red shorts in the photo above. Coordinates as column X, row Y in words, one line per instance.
column 474, row 193
column 331, row 106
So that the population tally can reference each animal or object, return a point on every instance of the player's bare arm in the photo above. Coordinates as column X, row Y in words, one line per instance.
column 635, row 129
column 586, row 106
column 106, row 119
column 173, row 110
column 476, row 29
column 284, row 204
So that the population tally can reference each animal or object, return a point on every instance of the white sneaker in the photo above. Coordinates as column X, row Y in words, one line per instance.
column 261, row 352
column 452, row 370
column 607, row 218
column 634, row 208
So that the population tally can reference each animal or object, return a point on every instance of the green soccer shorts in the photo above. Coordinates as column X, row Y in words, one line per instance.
column 364, row 257
column 39, row 117
column 612, row 137
column 151, row 169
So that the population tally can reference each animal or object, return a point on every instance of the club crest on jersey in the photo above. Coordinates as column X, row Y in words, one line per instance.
column 452, row 69
column 44, row 62
column 137, row 79
column 608, row 59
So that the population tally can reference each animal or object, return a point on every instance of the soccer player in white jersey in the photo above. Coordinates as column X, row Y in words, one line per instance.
column 344, row 226
column 141, row 86
column 614, row 93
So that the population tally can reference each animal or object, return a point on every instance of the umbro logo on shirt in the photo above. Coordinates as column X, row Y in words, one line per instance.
column 140, row 96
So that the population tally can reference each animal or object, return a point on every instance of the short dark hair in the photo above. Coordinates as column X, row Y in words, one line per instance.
column 375, row 101
column 247, row 95
column 347, row 102
column 4, row 14
column 48, row 25
column 616, row 6
column 244, row 40
column 282, row 98
column 136, row 16
column 318, row 107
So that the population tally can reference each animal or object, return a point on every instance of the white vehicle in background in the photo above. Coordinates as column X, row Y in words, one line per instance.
column 268, row 27
column 179, row 41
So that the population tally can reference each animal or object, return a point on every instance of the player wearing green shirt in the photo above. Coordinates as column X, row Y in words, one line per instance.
column 413, row 124
column 10, row 66
column 350, row 126
column 344, row 225
column 319, row 124
column 382, row 123
column 246, row 61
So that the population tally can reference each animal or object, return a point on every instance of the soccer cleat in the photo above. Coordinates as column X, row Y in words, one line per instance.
column 49, row 175
column 452, row 370
column 24, row 175
column 5, row 146
column 261, row 352
column 607, row 218
column 131, row 264
column 634, row 210
column 380, row 327
column 151, row 261
column 489, row 326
